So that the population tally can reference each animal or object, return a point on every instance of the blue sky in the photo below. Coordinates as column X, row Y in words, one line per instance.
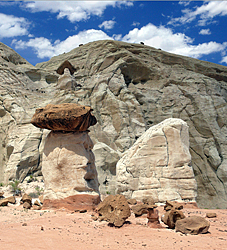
column 39, row 30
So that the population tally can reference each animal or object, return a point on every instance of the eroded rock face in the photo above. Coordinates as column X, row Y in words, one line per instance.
column 131, row 87
column 67, row 81
column 114, row 209
column 158, row 165
column 64, row 117
column 69, row 169
column 193, row 225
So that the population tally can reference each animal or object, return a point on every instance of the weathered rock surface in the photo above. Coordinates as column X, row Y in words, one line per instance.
column 141, row 209
column 76, row 202
column 173, row 205
column 130, row 87
column 11, row 199
column 171, row 217
column 68, row 167
column 211, row 215
column 193, row 225
column 153, row 219
column 67, row 81
column 158, row 165
column 26, row 198
column 64, row 117
column 4, row 202
column 114, row 209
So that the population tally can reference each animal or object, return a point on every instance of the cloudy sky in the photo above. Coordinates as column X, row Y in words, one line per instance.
column 39, row 30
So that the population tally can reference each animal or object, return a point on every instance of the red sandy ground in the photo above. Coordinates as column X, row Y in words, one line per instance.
column 26, row 229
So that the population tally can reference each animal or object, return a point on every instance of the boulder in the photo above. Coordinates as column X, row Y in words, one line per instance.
column 192, row 225
column 37, row 203
column 211, row 215
column 114, row 209
column 1, row 194
column 172, row 205
column 11, row 199
column 158, row 165
column 141, row 209
column 4, row 202
column 26, row 198
column 171, row 217
column 27, row 205
column 64, row 117
column 69, row 171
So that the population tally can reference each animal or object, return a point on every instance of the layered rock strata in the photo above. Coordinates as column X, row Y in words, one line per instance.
column 158, row 165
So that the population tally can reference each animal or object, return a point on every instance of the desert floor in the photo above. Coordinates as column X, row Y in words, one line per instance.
column 31, row 229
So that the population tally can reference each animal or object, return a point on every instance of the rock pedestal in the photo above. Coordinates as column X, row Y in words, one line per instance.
column 153, row 218
column 68, row 165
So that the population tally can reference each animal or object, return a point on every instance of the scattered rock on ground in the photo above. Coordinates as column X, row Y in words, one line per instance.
column 171, row 217
column 114, row 209
column 11, row 199
column 27, row 205
column 26, row 198
column 211, row 215
column 192, row 225
column 37, row 203
column 4, row 202
column 173, row 205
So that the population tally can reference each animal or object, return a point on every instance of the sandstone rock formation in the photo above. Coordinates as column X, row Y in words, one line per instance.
column 158, row 165
column 114, row 209
column 153, row 218
column 64, row 117
column 66, row 81
column 193, row 225
column 131, row 87
column 173, row 213
column 68, row 165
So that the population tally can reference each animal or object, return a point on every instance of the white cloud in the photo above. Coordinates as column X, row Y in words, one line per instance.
column 165, row 39
column 135, row 24
column 224, row 59
column 11, row 26
column 205, row 12
column 44, row 48
column 107, row 25
column 75, row 10
column 205, row 32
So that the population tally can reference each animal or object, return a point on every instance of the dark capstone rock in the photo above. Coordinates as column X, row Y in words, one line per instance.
column 64, row 117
